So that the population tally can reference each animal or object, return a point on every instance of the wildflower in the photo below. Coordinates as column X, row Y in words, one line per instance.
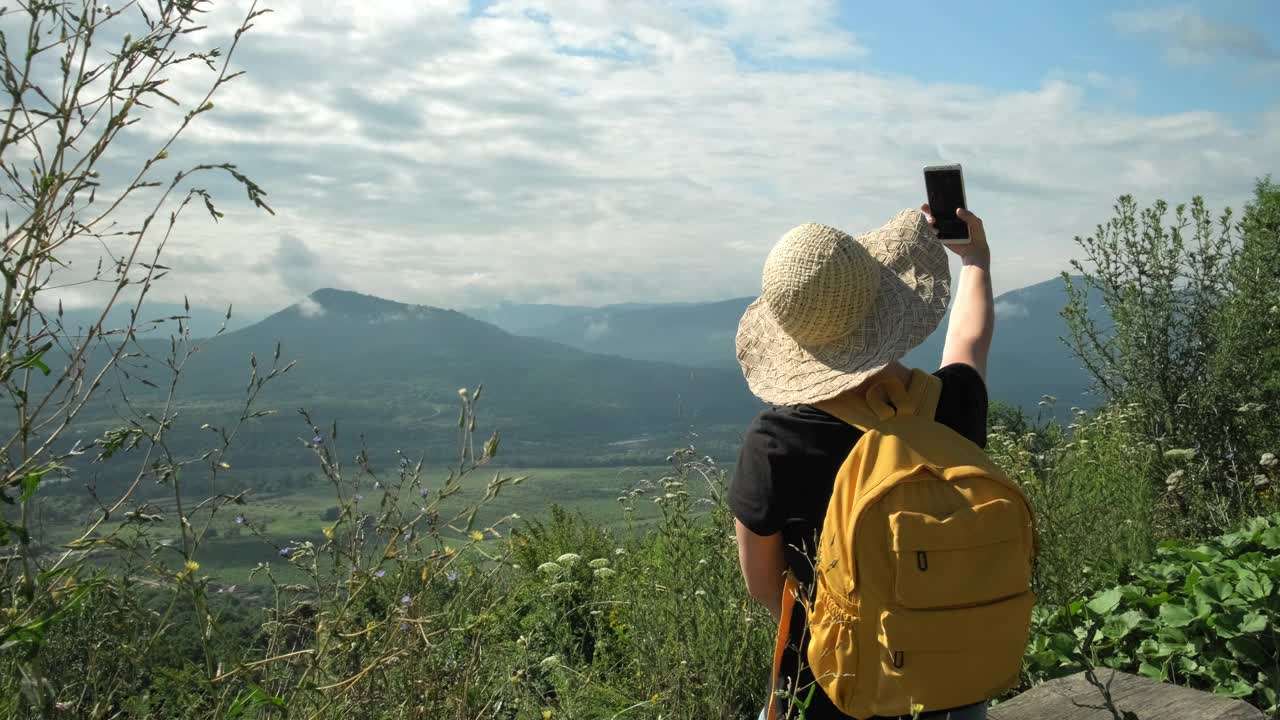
column 284, row 551
column 224, row 465
column 605, row 573
column 619, row 551
column 568, row 558
column 549, row 568
column 1268, row 460
column 477, row 536
column 405, row 600
column 550, row 661
column 599, row 563
column 563, row 586
column 422, row 492
column 546, row 715
column 448, row 551
column 379, row 573
column 239, row 519
column 359, row 498
column 703, row 561
column 452, row 576
column 191, row 565
column 317, row 440
column 328, row 533
column 700, row 593
column 377, row 484
column 1261, row 481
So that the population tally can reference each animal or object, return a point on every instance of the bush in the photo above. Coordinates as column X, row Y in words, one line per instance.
column 1205, row 616
column 1090, row 486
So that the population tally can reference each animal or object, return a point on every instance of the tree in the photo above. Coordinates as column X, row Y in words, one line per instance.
column 1187, row 301
column 82, row 78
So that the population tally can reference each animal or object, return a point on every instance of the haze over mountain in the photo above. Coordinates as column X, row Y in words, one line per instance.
column 391, row 372
column 1028, row 359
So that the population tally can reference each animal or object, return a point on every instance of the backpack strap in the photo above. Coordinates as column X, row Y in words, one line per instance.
column 789, row 591
column 885, row 399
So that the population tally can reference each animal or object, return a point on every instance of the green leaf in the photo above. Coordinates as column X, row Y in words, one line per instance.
column 1270, row 539
column 1118, row 626
column 30, row 482
column 1176, row 615
column 1155, row 672
column 1253, row 585
column 1253, row 623
column 1215, row 589
column 1105, row 602
column 1248, row 650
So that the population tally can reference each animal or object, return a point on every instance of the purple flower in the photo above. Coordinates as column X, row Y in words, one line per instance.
column 239, row 519
column 422, row 492
column 452, row 575
column 317, row 440
column 379, row 573
column 285, row 551
column 405, row 600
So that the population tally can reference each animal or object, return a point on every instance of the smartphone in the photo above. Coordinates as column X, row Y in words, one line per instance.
column 944, row 185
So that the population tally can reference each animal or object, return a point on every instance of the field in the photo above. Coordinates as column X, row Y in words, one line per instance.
column 239, row 537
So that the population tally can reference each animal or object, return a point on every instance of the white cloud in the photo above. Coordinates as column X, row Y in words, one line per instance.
column 559, row 151
column 1192, row 38
column 1007, row 309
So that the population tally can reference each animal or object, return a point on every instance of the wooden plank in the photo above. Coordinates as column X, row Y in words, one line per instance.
column 1112, row 695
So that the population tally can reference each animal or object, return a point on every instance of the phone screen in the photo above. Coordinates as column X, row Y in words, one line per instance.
column 945, row 189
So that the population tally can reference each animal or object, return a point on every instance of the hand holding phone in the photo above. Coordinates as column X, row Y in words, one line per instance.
column 944, row 186
column 972, row 251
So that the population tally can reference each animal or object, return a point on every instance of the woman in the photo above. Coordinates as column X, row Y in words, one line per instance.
column 828, row 324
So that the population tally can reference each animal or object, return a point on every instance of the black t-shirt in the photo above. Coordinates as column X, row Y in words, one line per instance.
column 786, row 472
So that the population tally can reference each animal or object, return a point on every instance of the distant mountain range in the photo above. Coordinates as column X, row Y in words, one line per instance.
column 390, row 373
column 623, row 384
column 1028, row 359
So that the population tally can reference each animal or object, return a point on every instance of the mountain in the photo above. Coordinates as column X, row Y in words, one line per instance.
column 1028, row 360
column 693, row 334
column 526, row 319
column 389, row 373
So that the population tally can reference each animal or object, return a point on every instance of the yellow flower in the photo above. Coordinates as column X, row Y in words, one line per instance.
column 449, row 551
column 424, row 573
column 477, row 535
column 191, row 565
column 546, row 715
column 328, row 533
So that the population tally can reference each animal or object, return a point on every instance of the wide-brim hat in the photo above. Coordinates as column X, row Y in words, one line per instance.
column 835, row 309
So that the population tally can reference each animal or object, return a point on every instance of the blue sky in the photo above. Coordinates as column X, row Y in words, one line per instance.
column 460, row 153
column 1210, row 62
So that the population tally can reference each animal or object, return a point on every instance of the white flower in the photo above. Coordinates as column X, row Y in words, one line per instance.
column 599, row 563
column 563, row 586
column 1268, row 460
column 550, row 661
column 703, row 561
column 549, row 568
column 620, row 551
column 605, row 573
column 700, row 593
column 568, row 558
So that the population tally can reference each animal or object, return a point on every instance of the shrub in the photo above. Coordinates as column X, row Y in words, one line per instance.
column 1204, row 616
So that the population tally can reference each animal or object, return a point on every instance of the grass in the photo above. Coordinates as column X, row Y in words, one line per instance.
column 275, row 520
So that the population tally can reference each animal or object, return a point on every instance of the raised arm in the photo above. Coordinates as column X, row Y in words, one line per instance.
column 973, row 316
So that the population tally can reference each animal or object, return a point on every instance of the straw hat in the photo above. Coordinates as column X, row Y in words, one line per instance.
column 835, row 310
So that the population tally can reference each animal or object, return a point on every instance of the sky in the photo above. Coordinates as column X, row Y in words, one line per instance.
column 460, row 153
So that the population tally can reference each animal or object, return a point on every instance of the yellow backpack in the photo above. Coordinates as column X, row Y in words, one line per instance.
column 923, row 573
